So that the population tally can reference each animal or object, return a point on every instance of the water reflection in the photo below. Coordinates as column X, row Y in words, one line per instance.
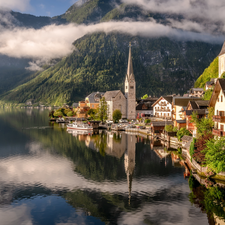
column 51, row 176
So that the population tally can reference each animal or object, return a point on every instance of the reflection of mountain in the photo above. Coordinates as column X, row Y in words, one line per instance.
column 58, row 163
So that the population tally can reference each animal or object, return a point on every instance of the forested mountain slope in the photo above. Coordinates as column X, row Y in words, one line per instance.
column 161, row 65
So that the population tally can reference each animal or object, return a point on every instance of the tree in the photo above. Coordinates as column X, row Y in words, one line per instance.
column 71, row 113
column 117, row 115
column 169, row 128
column 204, row 125
column 145, row 96
column 215, row 154
column 102, row 110
column 183, row 131
column 147, row 121
column 92, row 113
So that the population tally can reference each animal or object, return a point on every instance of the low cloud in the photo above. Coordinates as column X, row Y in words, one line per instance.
column 21, row 5
column 210, row 10
column 55, row 41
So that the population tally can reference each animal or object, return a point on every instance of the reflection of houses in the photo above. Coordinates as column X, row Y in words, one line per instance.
column 163, row 107
column 195, row 106
column 217, row 101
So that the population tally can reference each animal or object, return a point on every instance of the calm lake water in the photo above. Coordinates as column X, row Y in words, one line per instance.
column 50, row 176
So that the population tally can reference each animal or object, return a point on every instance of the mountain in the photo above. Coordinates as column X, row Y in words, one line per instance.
column 12, row 70
column 161, row 65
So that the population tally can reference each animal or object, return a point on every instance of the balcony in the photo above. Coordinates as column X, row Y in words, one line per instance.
column 219, row 133
column 162, row 110
column 162, row 104
column 220, row 119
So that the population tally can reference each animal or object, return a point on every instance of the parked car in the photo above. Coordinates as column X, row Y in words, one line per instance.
column 141, row 127
column 123, row 121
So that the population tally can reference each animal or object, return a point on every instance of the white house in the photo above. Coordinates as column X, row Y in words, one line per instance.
column 218, row 102
column 162, row 108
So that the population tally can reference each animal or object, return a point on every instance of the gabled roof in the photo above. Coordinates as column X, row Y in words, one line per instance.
column 111, row 94
column 198, row 111
column 222, row 52
column 183, row 101
column 95, row 97
column 220, row 85
column 202, row 103
column 167, row 98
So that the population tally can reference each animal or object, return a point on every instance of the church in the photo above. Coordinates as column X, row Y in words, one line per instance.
column 126, row 103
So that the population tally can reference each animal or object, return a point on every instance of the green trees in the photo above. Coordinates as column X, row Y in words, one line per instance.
column 102, row 110
column 204, row 125
column 169, row 128
column 215, row 154
column 147, row 121
column 145, row 96
column 92, row 113
column 183, row 131
column 117, row 115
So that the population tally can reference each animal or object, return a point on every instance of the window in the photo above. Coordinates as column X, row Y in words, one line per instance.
column 221, row 98
column 126, row 87
column 120, row 97
column 131, row 87
column 218, row 100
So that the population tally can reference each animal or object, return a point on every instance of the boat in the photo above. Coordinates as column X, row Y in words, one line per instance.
column 79, row 126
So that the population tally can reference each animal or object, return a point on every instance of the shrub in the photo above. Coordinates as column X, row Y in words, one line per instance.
column 117, row 115
column 169, row 128
column 183, row 131
column 147, row 121
column 70, row 113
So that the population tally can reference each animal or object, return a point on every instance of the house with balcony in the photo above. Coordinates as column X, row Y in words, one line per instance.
column 218, row 102
column 162, row 108
column 195, row 106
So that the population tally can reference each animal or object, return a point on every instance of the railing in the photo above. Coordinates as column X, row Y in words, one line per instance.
column 219, row 133
column 220, row 119
column 162, row 110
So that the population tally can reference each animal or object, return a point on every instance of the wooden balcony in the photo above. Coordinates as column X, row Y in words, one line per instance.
column 162, row 110
column 219, row 133
column 220, row 119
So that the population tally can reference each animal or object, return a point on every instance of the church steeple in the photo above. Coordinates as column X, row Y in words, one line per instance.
column 130, row 71
column 130, row 89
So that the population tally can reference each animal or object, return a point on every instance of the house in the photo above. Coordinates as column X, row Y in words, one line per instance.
column 196, row 92
column 144, row 107
column 222, row 61
column 162, row 108
column 179, row 106
column 209, row 84
column 126, row 103
column 93, row 99
column 218, row 102
column 195, row 106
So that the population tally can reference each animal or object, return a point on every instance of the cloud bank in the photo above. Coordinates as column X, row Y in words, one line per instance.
column 21, row 5
column 55, row 41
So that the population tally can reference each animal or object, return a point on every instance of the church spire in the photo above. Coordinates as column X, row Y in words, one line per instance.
column 130, row 71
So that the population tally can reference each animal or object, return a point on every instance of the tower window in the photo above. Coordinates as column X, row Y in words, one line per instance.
column 131, row 87
column 221, row 98
column 126, row 87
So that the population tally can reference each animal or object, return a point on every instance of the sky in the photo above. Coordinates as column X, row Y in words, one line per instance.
column 39, row 7
column 203, row 20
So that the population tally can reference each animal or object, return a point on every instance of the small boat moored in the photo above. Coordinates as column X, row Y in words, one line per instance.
column 79, row 126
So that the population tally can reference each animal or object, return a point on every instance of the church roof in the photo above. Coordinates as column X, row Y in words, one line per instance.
column 95, row 97
column 222, row 50
column 130, row 70
column 110, row 94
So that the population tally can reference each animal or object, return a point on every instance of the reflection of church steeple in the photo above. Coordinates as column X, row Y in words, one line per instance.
column 129, row 161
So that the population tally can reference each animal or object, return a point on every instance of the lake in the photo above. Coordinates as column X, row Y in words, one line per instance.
column 51, row 176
